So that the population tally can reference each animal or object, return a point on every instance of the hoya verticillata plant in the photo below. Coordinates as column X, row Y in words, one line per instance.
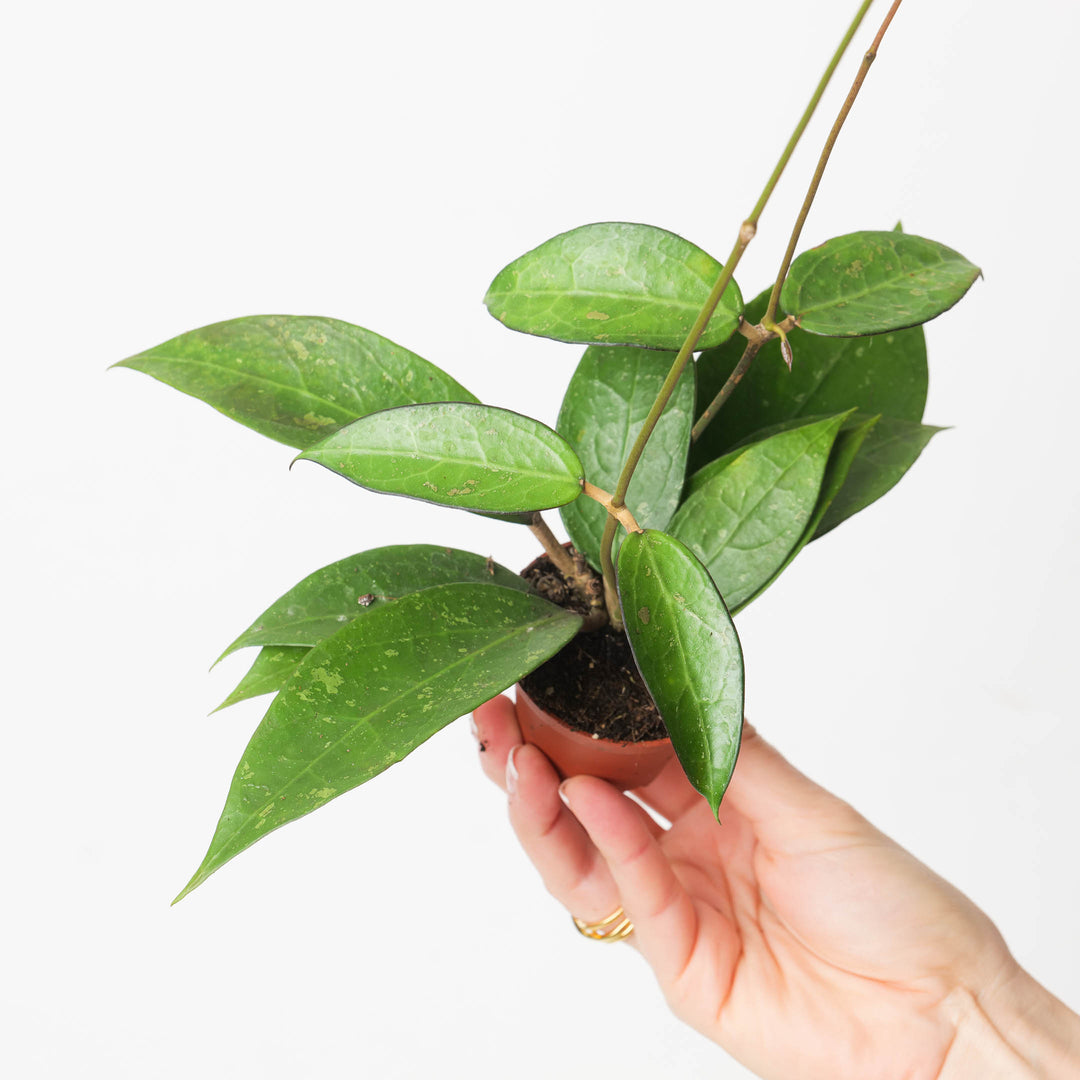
column 370, row 656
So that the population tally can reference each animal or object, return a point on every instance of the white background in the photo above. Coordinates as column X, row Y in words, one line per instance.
column 169, row 166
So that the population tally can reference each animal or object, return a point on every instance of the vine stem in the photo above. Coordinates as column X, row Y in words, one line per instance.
column 769, row 322
column 746, row 234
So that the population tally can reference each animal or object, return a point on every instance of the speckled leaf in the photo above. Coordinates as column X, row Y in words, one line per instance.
column 295, row 378
column 871, row 282
column 268, row 674
column 688, row 653
column 844, row 452
column 885, row 374
column 374, row 691
column 474, row 457
column 890, row 449
column 606, row 403
column 746, row 515
column 613, row 283
column 317, row 607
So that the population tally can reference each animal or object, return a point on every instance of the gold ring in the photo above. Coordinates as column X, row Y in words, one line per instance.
column 614, row 928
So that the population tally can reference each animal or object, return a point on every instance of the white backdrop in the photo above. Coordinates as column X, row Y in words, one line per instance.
column 169, row 166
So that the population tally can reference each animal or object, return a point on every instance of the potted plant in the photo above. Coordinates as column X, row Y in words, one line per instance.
column 677, row 520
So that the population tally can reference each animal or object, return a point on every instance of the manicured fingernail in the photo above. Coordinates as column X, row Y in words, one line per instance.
column 511, row 772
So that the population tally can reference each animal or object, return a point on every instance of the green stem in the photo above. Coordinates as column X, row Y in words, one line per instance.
column 746, row 234
column 769, row 322
column 733, row 380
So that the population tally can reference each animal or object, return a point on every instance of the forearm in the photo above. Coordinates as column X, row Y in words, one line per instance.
column 1017, row 1030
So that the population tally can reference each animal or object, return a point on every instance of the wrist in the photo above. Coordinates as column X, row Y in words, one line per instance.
column 1014, row 1029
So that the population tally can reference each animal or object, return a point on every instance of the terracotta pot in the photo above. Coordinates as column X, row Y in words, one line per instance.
column 629, row 765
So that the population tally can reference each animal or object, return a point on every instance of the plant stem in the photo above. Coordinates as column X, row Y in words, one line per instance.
column 733, row 380
column 555, row 551
column 605, row 499
column 756, row 337
column 769, row 322
column 746, row 234
column 575, row 571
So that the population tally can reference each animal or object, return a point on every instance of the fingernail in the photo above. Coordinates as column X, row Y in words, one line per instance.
column 511, row 772
column 562, row 795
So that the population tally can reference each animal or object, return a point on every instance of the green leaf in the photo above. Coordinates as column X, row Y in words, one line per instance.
column 890, row 449
column 608, row 398
column 474, row 457
column 318, row 606
column 885, row 374
column 272, row 668
column 366, row 697
column 688, row 653
column 844, row 452
column 615, row 284
column 295, row 378
column 750, row 510
column 871, row 282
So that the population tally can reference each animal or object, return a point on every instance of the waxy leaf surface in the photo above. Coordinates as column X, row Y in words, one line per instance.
column 688, row 653
column 870, row 282
column 890, row 449
column 366, row 697
column 606, row 403
column 885, row 374
column 268, row 674
column 844, row 452
column 747, row 513
column 613, row 283
column 295, row 378
column 474, row 457
column 319, row 605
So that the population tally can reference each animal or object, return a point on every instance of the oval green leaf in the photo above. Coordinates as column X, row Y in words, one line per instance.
column 688, row 653
column 844, row 452
column 890, row 449
column 324, row 601
column 474, row 457
column 885, row 374
column 268, row 674
column 606, row 403
column 614, row 283
column 366, row 697
column 871, row 282
column 295, row 378
column 746, row 512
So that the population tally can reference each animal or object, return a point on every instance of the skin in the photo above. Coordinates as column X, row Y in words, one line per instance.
column 795, row 935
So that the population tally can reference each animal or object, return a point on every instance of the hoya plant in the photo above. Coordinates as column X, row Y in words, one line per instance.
column 703, row 441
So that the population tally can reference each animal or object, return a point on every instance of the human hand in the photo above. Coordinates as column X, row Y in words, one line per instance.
column 794, row 934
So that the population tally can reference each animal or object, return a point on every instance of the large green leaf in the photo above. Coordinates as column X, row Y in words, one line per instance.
column 474, row 457
column 885, row 374
column 890, row 449
column 373, row 692
column 870, row 282
column 844, row 453
column 268, row 674
column 317, row 607
column 613, row 283
column 606, row 403
column 295, row 378
column 688, row 653
column 749, row 511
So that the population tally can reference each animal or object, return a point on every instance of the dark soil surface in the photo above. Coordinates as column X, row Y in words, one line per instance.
column 593, row 684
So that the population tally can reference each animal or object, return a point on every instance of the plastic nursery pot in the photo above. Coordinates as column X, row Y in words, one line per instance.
column 628, row 765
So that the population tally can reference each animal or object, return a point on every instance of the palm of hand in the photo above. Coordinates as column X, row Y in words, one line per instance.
column 795, row 934
column 822, row 949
